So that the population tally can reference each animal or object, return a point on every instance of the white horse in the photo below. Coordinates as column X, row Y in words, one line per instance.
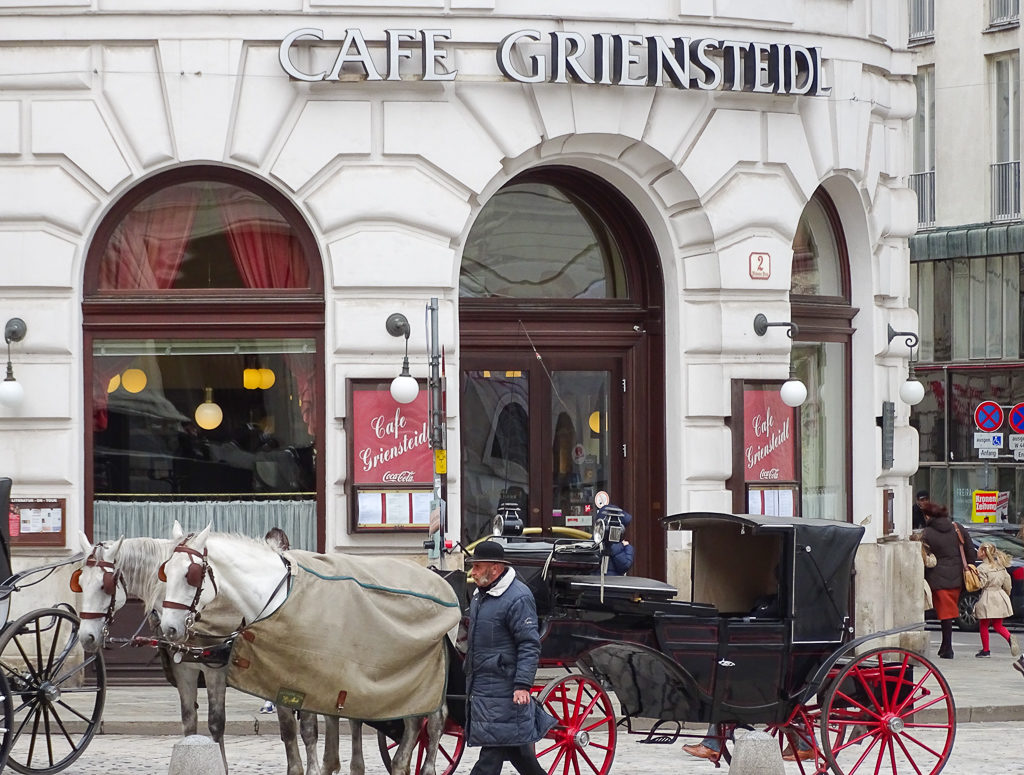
column 129, row 567
column 249, row 574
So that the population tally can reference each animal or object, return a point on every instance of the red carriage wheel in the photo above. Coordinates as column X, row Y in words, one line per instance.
column 889, row 710
column 583, row 741
column 449, row 749
column 800, row 729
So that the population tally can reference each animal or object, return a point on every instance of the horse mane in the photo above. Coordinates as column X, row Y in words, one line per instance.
column 138, row 560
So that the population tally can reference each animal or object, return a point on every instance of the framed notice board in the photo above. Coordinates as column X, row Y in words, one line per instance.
column 37, row 521
column 391, row 466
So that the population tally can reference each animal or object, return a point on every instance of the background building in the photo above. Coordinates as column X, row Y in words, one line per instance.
column 211, row 211
column 966, row 270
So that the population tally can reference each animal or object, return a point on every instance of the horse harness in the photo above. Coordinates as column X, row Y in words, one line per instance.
column 195, row 576
column 112, row 577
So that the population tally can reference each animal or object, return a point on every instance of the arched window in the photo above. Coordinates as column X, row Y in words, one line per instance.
column 203, row 327
column 562, row 359
column 820, row 301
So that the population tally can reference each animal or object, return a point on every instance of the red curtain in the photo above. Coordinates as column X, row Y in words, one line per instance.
column 146, row 250
column 263, row 245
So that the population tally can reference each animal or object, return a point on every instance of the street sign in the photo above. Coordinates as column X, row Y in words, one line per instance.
column 1016, row 418
column 1018, row 454
column 988, row 416
column 988, row 440
column 1016, row 441
column 988, row 454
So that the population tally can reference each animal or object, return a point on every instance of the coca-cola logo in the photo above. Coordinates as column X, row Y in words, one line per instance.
column 397, row 476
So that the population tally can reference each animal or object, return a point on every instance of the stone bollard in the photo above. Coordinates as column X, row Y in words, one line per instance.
column 756, row 753
column 196, row 755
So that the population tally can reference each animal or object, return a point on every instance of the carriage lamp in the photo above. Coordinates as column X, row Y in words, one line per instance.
column 508, row 521
column 911, row 391
column 404, row 387
column 11, row 392
column 793, row 392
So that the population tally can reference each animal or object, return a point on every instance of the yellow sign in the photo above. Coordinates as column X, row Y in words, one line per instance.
column 440, row 461
column 983, row 505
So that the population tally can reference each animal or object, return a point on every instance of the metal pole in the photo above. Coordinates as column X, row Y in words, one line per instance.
column 436, row 433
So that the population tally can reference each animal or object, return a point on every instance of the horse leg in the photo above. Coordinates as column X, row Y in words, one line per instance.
column 332, row 756
column 403, row 755
column 435, row 726
column 289, row 736
column 187, row 680
column 216, row 689
column 308, row 728
column 356, row 765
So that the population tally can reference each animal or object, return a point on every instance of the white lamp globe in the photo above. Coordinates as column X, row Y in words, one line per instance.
column 11, row 393
column 404, row 389
column 911, row 392
column 208, row 414
column 793, row 392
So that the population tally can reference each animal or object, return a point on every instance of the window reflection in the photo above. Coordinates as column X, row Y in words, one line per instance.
column 533, row 240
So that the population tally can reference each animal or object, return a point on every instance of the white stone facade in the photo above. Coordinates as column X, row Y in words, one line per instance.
column 96, row 95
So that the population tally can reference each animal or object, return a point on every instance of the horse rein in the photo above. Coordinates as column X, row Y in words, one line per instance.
column 112, row 577
column 195, row 576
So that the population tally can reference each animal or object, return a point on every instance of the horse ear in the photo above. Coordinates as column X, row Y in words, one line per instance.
column 84, row 542
column 199, row 542
column 176, row 532
column 111, row 553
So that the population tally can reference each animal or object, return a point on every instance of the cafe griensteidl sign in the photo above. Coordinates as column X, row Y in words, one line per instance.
column 529, row 56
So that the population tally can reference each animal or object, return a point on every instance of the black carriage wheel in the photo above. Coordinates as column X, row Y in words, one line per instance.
column 583, row 740
column 7, row 709
column 449, row 749
column 57, row 690
column 889, row 710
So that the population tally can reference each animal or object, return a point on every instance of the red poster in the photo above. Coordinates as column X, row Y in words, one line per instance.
column 390, row 446
column 769, row 445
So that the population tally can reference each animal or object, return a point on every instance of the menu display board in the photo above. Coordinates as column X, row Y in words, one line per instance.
column 37, row 522
column 391, row 464
column 768, row 456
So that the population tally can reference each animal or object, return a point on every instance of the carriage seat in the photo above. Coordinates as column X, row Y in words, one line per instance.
column 573, row 556
column 631, row 587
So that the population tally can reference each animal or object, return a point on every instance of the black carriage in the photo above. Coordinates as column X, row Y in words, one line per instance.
column 765, row 639
column 51, row 691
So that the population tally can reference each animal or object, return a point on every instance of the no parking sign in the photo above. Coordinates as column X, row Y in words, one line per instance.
column 989, row 416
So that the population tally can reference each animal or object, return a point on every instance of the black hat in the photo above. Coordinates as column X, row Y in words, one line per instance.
column 489, row 551
column 922, row 494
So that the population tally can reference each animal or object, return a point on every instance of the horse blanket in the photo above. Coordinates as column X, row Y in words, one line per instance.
column 357, row 637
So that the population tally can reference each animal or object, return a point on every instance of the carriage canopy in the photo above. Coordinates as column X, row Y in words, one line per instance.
column 804, row 566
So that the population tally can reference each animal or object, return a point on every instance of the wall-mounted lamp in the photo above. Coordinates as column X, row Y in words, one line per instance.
column 404, row 387
column 11, row 391
column 793, row 392
column 911, row 391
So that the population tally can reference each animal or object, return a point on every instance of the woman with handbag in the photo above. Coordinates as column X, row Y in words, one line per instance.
column 952, row 553
column 994, row 602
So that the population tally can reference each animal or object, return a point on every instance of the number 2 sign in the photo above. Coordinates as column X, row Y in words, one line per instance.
column 760, row 266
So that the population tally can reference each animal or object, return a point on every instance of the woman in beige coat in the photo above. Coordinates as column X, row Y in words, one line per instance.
column 994, row 602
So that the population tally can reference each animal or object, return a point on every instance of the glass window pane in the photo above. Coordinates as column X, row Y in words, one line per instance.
column 533, row 240
column 580, row 444
column 203, row 234
column 929, row 416
column 1011, row 307
column 822, row 367
column 993, row 307
column 978, row 319
column 816, row 263
column 495, row 446
column 960, row 308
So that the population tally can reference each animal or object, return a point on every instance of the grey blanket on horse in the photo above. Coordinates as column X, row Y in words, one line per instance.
column 358, row 637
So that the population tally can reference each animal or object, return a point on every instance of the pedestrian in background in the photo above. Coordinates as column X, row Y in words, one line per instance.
column 917, row 520
column 944, row 539
column 502, row 652
column 994, row 601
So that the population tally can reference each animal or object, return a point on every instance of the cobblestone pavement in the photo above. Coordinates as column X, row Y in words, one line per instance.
column 987, row 747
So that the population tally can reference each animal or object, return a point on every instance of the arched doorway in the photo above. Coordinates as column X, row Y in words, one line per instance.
column 820, row 303
column 562, row 385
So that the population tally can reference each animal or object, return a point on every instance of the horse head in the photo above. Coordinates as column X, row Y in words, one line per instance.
column 189, row 585
column 102, row 588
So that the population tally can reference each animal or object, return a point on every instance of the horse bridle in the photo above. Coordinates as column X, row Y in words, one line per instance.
column 195, row 576
column 112, row 576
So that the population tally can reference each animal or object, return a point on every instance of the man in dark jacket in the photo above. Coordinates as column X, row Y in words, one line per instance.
column 503, row 648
